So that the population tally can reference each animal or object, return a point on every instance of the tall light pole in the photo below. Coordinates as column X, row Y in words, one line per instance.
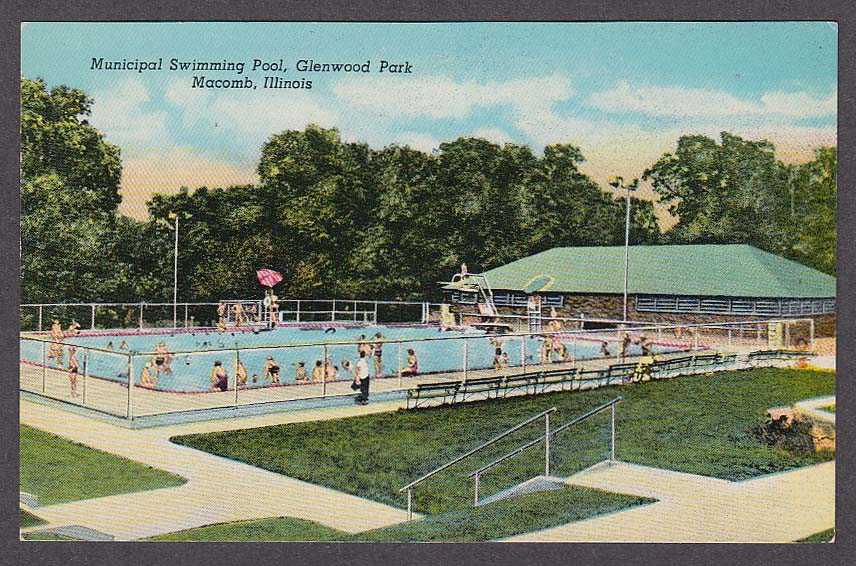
column 618, row 183
column 174, row 216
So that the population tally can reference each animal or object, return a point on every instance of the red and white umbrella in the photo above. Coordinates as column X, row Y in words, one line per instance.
column 268, row 277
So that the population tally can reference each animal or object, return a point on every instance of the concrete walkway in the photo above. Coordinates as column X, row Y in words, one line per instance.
column 217, row 489
column 812, row 408
column 781, row 507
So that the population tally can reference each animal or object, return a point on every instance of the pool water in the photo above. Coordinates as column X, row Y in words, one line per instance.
column 196, row 352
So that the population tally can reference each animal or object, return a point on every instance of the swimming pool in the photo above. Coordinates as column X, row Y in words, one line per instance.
column 195, row 352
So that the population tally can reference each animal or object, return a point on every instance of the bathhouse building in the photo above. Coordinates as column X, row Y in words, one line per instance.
column 669, row 283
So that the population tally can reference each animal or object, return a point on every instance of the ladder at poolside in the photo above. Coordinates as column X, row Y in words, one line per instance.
column 533, row 314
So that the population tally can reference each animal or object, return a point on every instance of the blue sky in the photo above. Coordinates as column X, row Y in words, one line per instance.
column 623, row 92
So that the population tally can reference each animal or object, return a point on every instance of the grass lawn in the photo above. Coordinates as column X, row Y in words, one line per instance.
column 27, row 519
column 822, row 536
column 828, row 408
column 696, row 424
column 525, row 513
column 58, row 470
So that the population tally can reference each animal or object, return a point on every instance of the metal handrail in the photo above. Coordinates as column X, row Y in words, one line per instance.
column 474, row 450
column 538, row 440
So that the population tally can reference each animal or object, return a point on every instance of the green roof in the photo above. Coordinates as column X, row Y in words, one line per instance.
column 732, row 270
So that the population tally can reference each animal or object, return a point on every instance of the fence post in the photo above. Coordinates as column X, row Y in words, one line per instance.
column 787, row 333
column 695, row 338
column 324, row 375
column 375, row 313
column 129, row 415
column 811, row 334
column 476, row 492
column 409, row 504
column 40, row 318
column 399, row 365
column 44, row 368
column 523, row 352
column 141, row 316
column 355, row 311
column 85, row 373
column 185, row 315
column 547, row 445
column 612, row 436
column 237, row 359
column 92, row 320
column 729, row 336
column 466, row 352
column 574, row 350
column 333, row 314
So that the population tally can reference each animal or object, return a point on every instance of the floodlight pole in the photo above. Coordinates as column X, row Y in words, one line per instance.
column 175, row 278
column 626, row 253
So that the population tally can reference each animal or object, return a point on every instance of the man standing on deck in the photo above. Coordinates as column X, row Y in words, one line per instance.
column 361, row 377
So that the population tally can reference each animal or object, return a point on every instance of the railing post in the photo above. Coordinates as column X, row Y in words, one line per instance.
column 466, row 352
column 85, row 373
column 409, row 504
column 374, row 321
column 298, row 312
column 40, row 318
column 129, row 414
column 695, row 338
column 185, row 315
column 523, row 353
column 476, row 492
column 141, row 316
column 355, row 311
column 92, row 320
column 399, row 365
column 811, row 334
column 237, row 359
column 547, row 445
column 44, row 369
column 333, row 313
column 612, row 436
column 729, row 336
column 574, row 349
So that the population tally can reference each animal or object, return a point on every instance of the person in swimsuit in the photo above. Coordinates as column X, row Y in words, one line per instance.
column 162, row 360
column 271, row 370
column 219, row 378
column 56, row 350
column 624, row 346
column 301, row 375
column 240, row 372
column 560, row 349
column 318, row 372
column 73, row 328
column 146, row 376
column 73, row 367
column 604, row 349
column 377, row 349
column 109, row 345
column 221, row 312
column 123, row 345
column 412, row 364
column 497, row 353
column 238, row 311
column 645, row 343
column 346, row 367
column 547, row 350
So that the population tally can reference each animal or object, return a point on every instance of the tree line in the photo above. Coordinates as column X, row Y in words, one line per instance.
column 345, row 220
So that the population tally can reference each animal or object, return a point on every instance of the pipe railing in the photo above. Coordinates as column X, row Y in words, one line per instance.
column 546, row 439
column 409, row 487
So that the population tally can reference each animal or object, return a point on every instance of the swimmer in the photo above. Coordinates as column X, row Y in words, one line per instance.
column 74, row 328
column 300, row 375
column 146, row 376
column 547, row 350
column 412, row 367
column 123, row 345
column 219, row 378
column 255, row 378
column 604, row 349
column 318, row 372
column 109, row 345
column 240, row 372
column 72, row 369
column 363, row 345
column 497, row 356
column 271, row 370
column 162, row 360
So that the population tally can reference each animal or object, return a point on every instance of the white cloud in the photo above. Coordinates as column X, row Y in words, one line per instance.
column 120, row 114
column 493, row 134
column 678, row 101
column 442, row 97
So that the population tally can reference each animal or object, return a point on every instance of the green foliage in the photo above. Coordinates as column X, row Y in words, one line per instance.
column 57, row 470
column 695, row 424
column 737, row 191
column 823, row 536
column 525, row 513
column 69, row 197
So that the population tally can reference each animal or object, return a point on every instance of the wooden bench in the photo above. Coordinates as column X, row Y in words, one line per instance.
column 482, row 385
column 427, row 391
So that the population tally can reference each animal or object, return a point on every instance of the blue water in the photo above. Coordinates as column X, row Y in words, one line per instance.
column 190, row 371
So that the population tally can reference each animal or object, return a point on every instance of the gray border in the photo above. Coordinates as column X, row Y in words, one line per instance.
column 14, row 551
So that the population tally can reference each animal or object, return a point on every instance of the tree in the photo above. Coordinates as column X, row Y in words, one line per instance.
column 813, row 194
column 69, row 197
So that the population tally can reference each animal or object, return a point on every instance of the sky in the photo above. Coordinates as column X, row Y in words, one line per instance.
column 622, row 92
